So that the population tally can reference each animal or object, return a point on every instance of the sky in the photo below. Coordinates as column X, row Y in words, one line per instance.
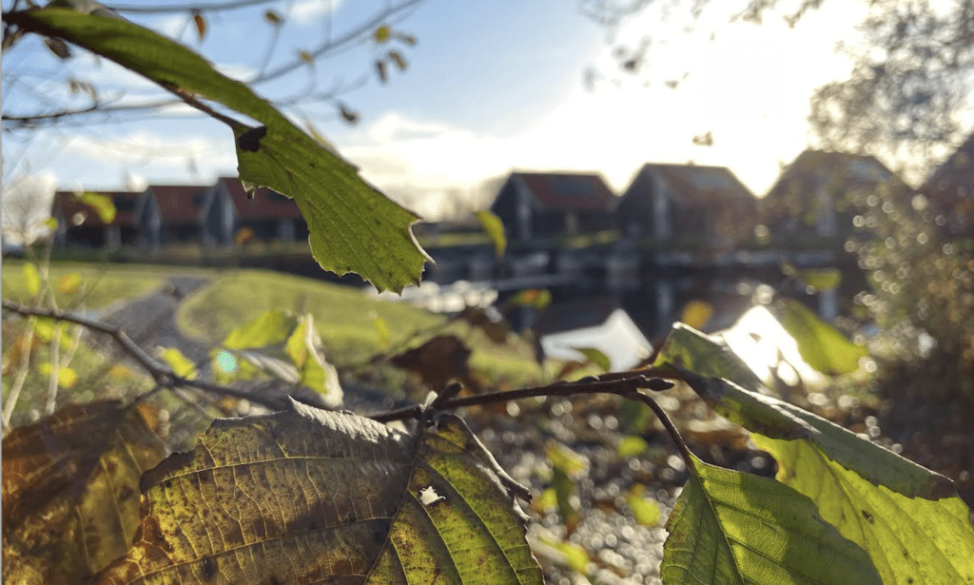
column 491, row 86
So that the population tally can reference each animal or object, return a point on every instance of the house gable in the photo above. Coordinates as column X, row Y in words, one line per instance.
column 950, row 189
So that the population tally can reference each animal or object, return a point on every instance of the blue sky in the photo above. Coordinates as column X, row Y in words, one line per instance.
column 491, row 86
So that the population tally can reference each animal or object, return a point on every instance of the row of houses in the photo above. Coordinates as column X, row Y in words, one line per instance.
column 669, row 204
column 214, row 215
column 690, row 205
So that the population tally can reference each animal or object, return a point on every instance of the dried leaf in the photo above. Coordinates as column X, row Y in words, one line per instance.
column 70, row 491
column 311, row 496
column 273, row 17
column 200, row 23
column 438, row 361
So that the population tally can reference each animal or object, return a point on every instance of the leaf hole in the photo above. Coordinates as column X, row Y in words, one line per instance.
column 867, row 516
column 428, row 496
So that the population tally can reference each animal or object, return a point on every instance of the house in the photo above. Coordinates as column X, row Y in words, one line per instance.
column 950, row 190
column 548, row 205
column 687, row 205
column 268, row 216
column 815, row 197
column 79, row 224
column 173, row 214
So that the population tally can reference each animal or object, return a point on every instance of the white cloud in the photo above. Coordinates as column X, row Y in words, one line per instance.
column 304, row 12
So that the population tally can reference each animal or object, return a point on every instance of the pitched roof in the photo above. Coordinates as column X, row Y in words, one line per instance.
column 569, row 191
column 179, row 203
column 806, row 172
column 699, row 185
column 265, row 204
column 125, row 203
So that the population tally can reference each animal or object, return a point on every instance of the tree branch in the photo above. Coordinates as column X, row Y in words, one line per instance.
column 160, row 372
column 167, row 9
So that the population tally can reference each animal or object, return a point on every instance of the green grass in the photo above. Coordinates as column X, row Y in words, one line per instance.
column 104, row 284
column 346, row 319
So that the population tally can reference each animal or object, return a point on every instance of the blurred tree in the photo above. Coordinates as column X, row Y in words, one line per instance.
column 908, row 90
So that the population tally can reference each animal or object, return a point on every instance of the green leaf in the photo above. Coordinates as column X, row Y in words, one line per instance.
column 353, row 227
column 307, row 495
column 645, row 511
column 576, row 557
column 730, row 527
column 50, row 223
column 495, row 231
column 305, row 350
column 566, row 466
column 632, row 446
column 596, row 357
column 180, row 364
column 876, row 498
column 383, row 329
column 819, row 344
column 706, row 356
column 271, row 328
column 102, row 204
column 910, row 539
column 32, row 279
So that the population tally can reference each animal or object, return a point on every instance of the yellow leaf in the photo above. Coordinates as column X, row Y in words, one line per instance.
column 697, row 313
column 32, row 278
column 382, row 33
column 70, row 283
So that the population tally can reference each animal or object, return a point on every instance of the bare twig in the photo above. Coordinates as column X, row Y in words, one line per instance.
column 160, row 372
column 621, row 383
column 166, row 9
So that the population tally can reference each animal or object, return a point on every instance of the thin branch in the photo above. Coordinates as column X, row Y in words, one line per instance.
column 212, row 7
column 331, row 45
column 160, row 372
column 621, row 383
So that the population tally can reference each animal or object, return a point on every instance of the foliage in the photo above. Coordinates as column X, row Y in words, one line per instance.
column 309, row 494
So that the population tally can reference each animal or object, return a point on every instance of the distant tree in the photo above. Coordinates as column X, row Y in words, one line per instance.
column 909, row 87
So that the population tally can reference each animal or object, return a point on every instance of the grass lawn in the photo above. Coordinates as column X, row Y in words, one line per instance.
column 103, row 284
column 345, row 318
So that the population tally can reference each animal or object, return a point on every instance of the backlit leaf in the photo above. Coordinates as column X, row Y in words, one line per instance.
column 644, row 510
column 907, row 518
column 66, row 377
column 71, row 492
column 353, row 227
column 180, row 364
column 312, row 496
column 730, row 527
column 305, row 350
column 697, row 313
column 632, row 446
column 596, row 357
column 70, row 283
column 495, row 231
column 104, row 206
column 32, row 279
column 819, row 344
column 273, row 327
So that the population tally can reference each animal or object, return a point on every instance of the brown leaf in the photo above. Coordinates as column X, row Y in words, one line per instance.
column 200, row 23
column 71, row 491
column 273, row 17
column 312, row 496
column 438, row 361
column 492, row 324
column 398, row 59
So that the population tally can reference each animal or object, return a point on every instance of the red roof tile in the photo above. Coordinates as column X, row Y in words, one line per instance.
column 179, row 203
column 125, row 203
column 265, row 204
column 584, row 192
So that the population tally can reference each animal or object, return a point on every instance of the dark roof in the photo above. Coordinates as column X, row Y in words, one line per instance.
column 569, row 191
column 179, row 203
column 265, row 204
column 700, row 185
column 124, row 201
column 853, row 171
column 953, row 181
